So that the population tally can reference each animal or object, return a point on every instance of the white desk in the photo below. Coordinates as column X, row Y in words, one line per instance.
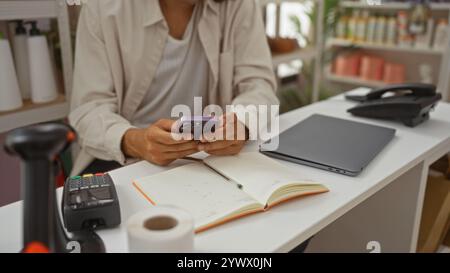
column 383, row 204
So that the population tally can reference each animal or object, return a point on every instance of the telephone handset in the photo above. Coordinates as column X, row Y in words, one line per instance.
column 416, row 89
column 410, row 103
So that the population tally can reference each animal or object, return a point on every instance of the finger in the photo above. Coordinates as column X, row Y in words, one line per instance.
column 224, row 130
column 179, row 155
column 213, row 137
column 227, row 119
column 219, row 145
column 192, row 145
column 173, row 127
column 227, row 133
column 165, row 124
column 233, row 150
column 160, row 136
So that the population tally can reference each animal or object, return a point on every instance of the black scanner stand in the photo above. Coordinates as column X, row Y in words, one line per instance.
column 38, row 146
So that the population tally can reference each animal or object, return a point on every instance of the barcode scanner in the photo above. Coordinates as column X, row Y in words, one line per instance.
column 38, row 147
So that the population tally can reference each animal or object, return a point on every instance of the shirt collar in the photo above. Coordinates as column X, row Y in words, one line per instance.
column 152, row 13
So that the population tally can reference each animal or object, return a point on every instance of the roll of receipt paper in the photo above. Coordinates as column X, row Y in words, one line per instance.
column 161, row 229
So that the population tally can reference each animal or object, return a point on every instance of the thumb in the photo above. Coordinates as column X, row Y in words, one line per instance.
column 165, row 124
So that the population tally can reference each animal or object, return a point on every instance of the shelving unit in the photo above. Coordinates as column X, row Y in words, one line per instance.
column 353, row 81
column 390, row 5
column 34, row 113
column 304, row 54
column 335, row 42
column 442, row 57
column 312, row 53
column 58, row 109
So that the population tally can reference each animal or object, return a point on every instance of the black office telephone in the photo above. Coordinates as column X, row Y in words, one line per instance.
column 411, row 103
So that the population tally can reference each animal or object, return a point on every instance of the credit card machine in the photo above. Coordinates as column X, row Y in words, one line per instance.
column 90, row 202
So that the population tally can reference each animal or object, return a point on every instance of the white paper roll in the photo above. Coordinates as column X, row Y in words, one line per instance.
column 10, row 97
column 161, row 229
column 42, row 78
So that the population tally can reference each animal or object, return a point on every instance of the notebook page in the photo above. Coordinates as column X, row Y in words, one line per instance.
column 259, row 175
column 196, row 189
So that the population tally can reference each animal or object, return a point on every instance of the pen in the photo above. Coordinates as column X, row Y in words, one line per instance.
column 239, row 186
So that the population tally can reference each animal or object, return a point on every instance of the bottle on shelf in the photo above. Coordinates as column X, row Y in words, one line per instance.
column 391, row 31
column 426, row 73
column 352, row 26
column 418, row 17
column 394, row 73
column 441, row 37
column 42, row 77
column 380, row 30
column 423, row 41
column 371, row 29
column 372, row 68
column 10, row 98
column 404, row 37
column 20, row 49
column 341, row 28
column 361, row 27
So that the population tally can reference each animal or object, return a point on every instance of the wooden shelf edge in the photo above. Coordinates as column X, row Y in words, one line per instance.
column 303, row 54
column 34, row 113
column 335, row 42
column 13, row 10
column 391, row 5
column 354, row 81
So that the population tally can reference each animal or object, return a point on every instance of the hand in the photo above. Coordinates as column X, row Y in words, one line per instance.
column 156, row 144
column 229, row 138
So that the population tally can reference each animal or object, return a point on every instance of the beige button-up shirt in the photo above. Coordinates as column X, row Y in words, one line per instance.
column 118, row 49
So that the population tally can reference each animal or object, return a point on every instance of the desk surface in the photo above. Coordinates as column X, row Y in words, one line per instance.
column 286, row 226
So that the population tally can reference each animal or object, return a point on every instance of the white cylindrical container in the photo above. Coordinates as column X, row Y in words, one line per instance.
column 161, row 229
column 10, row 98
column 42, row 77
column 20, row 50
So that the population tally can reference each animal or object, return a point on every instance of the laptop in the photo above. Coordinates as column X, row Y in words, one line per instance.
column 332, row 144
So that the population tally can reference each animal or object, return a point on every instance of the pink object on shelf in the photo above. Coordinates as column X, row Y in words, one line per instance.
column 394, row 73
column 372, row 68
column 347, row 64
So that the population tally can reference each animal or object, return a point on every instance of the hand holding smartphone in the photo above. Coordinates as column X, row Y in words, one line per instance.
column 198, row 126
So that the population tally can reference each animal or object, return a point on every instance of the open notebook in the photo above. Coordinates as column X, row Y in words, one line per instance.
column 221, row 189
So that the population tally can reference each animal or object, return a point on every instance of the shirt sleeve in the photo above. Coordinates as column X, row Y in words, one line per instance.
column 94, row 102
column 254, row 77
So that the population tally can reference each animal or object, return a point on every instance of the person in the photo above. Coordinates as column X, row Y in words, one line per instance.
column 136, row 60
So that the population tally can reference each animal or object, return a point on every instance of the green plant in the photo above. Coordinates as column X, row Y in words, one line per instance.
column 291, row 98
column 331, row 16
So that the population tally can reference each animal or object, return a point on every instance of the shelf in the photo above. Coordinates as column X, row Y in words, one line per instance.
column 335, row 42
column 303, row 54
column 58, row 109
column 391, row 6
column 354, row 81
column 34, row 113
column 25, row 10
column 266, row 2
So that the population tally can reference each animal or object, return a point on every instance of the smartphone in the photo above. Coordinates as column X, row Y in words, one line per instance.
column 198, row 125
